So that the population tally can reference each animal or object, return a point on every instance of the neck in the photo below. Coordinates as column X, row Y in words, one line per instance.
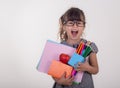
column 72, row 42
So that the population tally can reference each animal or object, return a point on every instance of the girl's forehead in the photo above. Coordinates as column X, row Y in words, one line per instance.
column 74, row 19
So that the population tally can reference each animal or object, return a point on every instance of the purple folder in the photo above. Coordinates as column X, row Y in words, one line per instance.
column 51, row 51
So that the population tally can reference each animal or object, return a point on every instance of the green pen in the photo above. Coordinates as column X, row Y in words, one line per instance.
column 87, row 51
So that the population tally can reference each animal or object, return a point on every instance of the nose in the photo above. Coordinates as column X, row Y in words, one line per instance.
column 75, row 25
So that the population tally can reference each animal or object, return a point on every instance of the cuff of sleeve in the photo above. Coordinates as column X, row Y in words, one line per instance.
column 94, row 47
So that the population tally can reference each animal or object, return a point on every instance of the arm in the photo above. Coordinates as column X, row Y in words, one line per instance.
column 91, row 67
column 64, row 81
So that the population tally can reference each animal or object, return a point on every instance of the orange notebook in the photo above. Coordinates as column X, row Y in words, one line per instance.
column 58, row 68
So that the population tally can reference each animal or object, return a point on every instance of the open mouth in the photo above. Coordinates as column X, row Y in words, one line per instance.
column 74, row 33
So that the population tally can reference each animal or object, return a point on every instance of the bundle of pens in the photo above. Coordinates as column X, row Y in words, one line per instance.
column 84, row 49
column 81, row 53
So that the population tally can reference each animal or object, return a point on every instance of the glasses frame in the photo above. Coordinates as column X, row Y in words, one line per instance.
column 75, row 22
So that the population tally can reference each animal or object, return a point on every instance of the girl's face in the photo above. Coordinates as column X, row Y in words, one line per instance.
column 74, row 29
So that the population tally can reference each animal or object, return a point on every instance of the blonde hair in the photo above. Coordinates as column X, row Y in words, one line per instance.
column 62, row 33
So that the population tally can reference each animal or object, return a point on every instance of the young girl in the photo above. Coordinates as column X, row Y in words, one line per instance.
column 72, row 25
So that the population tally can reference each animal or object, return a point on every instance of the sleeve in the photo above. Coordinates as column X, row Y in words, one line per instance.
column 94, row 47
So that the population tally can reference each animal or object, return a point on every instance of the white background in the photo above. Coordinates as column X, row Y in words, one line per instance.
column 25, row 25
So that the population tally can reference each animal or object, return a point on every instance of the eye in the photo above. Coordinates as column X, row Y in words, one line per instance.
column 80, row 23
column 70, row 23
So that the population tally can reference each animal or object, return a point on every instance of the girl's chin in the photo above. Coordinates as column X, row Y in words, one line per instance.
column 75, row 37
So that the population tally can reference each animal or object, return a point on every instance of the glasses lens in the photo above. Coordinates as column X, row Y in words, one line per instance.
column 78, row 23
column 70, row 23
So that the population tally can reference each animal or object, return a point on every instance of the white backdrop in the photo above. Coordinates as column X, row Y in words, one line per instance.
column 25, row 25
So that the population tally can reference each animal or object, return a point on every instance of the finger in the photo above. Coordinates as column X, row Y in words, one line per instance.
column 79, row 64
column 78, row 68
column 56, row 79
column 68, row 77
column 72, row 78
column 64, row 75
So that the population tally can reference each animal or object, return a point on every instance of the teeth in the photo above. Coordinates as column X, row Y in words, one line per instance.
column 74, row 32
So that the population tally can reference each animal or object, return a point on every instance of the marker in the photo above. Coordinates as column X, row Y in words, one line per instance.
column 87, row 51
column 74, row 72
column 80, row 48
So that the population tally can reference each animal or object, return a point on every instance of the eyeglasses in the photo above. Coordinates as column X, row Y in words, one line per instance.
column 71, row 23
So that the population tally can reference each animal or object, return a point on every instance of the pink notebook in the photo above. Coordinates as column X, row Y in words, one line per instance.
column 51, row 51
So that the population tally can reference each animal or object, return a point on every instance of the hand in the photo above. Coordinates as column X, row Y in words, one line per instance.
column 64, row 81
column 83, row 66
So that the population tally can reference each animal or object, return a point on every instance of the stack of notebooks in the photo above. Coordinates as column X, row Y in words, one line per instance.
column 50, row 63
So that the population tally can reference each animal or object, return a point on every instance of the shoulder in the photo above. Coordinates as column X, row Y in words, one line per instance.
column 63, row 42
column 91, row 44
